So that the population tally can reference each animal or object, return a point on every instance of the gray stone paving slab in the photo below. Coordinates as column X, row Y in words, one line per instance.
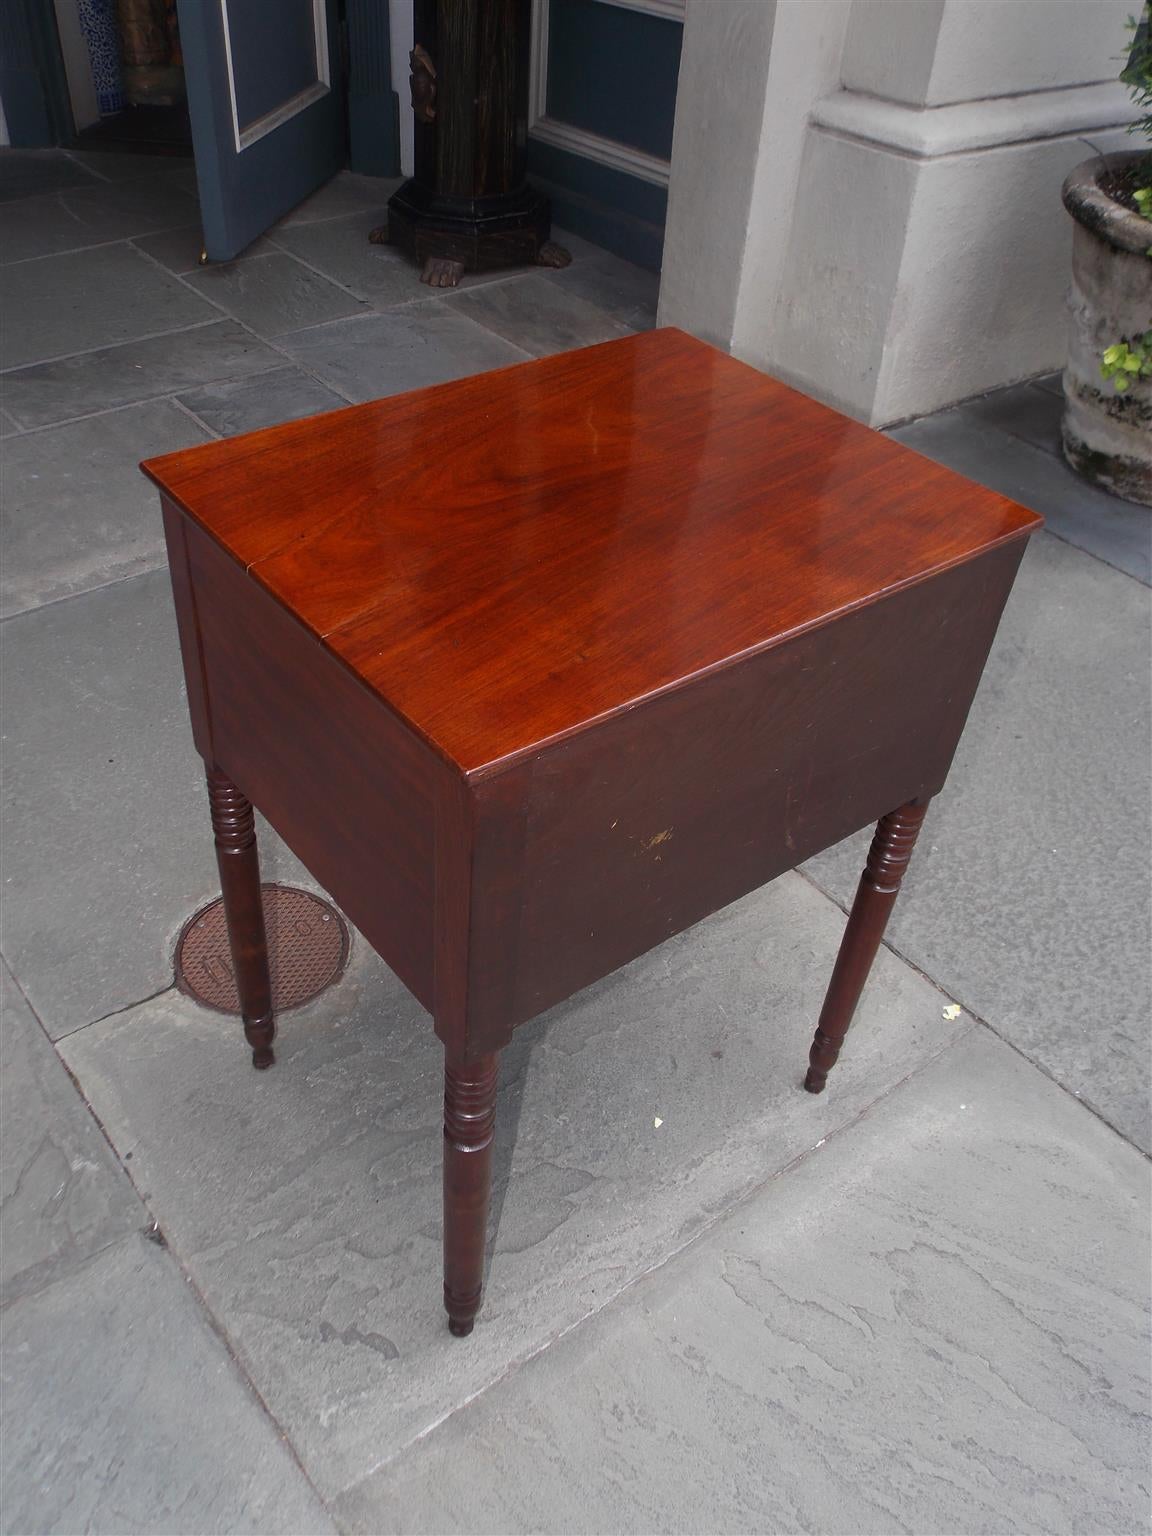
column 123, row 1413
column 1027, row 411
column 179, row 249
column 1028, row 895
column 305, row 1201
column 421, row 344
column 122, row 165
column 7, row 425
column 137, row 370
column 273, row 293
column 1117, row 531
column 186, row 177
column 66, row 304
column 63, row 1196
column 104, row 821
column 347, row 192
column 626, row 292
column 92, row 215
column 935, row 1323
column 538, row 316
column 340, row 248
column 77, row 511
column 245, row 405
column 35, row 172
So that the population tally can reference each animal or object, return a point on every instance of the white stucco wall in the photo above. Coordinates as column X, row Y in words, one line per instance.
column 808, row 41
column 904, row 244
column 1000, row 47
column 945, row 270
column 890, row 48
column 932, row 52
column 717, row 150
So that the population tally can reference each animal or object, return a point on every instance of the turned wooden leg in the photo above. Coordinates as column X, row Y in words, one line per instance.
column 469, row 1121
column 875, row 895
column 235, row 830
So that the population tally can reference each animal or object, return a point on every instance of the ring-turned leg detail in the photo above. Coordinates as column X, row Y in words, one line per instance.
column 237, row 859
column 469, row 1122
column 876, row 894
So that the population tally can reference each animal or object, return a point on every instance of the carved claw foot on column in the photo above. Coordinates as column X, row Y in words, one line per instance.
column 238, row 861
column 876, row 894
column 441, row 272
column 552, row 255
column 469, row 1121
column 379, row 235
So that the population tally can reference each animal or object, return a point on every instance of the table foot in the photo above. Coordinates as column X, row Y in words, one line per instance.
column 469, row 1123
column 263, row 1056
column 238, row 861
column 876, row 894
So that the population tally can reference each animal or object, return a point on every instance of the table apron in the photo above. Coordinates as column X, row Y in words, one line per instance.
column 606, row 844
column 495, row 896
column 346, row 785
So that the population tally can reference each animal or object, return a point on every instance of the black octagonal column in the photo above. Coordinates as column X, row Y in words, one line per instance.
column 469, row 207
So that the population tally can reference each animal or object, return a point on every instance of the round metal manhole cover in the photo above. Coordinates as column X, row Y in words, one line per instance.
column 307, row 951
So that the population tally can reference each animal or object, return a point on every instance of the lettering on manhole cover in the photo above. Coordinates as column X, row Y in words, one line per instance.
column 307, row 951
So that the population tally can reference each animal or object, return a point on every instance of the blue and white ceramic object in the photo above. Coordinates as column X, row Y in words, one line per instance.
column 98, row 23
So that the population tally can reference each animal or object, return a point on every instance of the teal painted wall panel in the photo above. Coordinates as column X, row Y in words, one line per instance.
column 619, row 212
column 613, row 72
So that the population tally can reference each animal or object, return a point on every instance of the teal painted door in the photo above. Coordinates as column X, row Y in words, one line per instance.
column 265, row 95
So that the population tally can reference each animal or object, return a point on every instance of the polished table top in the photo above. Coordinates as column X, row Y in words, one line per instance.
column 510, row 557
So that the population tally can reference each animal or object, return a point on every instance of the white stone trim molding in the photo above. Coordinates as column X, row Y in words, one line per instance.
column 926, row 133
column 673, row 9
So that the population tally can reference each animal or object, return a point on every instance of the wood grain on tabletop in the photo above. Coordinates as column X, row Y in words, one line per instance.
column 510, row 556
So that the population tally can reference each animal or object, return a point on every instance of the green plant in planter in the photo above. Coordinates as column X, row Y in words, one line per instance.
column 1130, row 358
column 1127, row 360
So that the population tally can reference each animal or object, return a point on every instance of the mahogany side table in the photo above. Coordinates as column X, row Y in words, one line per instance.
column 538, row 668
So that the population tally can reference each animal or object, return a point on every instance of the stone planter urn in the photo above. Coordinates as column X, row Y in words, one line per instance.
column 1107, row 436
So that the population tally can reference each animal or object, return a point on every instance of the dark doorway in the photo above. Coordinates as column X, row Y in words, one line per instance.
column 141, row 85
